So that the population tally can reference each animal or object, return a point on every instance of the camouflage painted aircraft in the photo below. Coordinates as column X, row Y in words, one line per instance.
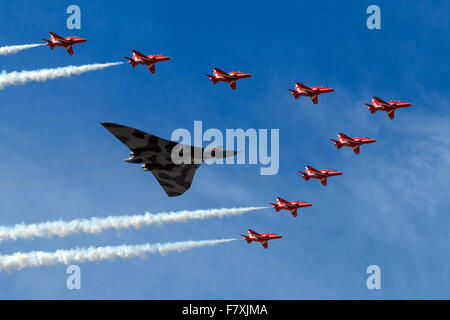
column 156, row 155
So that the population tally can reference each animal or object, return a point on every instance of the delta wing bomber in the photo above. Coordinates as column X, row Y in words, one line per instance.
column 156, row 155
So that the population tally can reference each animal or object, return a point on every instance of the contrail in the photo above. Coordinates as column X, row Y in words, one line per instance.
column 4, row 51
column 97, row 225
column 22, row 77
column 20, row 260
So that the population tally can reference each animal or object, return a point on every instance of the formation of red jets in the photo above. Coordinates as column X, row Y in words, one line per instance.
column 377, row 104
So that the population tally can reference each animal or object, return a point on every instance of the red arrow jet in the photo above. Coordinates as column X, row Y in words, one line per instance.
column 313, row 92
column 149, row 61
column 263, row 237
column 291, row 206
column 67, row 42
column 230, row 78
column 322, row 175
column 345, row 141
column 378, row 104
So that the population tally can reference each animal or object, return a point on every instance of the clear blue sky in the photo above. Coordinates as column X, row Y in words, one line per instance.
column 390, row 208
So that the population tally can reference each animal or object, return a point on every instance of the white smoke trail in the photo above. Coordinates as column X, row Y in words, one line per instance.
column 22, row 77
column 4, row 51
column 20, row 260
column 97, row 225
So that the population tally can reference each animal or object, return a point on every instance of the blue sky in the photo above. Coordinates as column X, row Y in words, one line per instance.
column 390, row 208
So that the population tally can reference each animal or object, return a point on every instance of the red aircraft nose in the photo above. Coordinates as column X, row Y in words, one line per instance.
column 80, row 40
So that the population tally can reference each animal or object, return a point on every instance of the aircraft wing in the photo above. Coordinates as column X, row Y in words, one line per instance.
column 314, row 170
column 58, row 37
column 302, row 86
column 391, row 114
column 381, row 101
column 256, row 234
column 323, row 181
column 69, row 49
column 264, row 244
column 175, row 181
column 232, row 84
column 315, row 99
column 346, row 137
column 141, row 55
column 137, row 140
column 151, row 67
column 222, row 73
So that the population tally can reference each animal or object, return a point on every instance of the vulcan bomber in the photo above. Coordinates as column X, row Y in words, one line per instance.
column 173, row 164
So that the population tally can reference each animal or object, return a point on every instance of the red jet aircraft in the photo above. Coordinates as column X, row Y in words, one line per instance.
column 291, row 206
column 67, row 42
column 345, row 141
column 263, row 237
column 313, row 92
column 230, row 78
column 322, row 175
column 389, row 107
column 149, row 61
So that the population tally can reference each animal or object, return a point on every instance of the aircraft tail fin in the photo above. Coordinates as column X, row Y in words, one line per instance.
column 294, row 93
column 246, row 238
column 274, row 205
column 131, row 61
column 212, row 78
column 49, row 43
column 337, row 143
column 371, row 108
column 304, row 175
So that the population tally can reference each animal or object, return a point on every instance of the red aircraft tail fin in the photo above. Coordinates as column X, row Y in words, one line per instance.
column 294, row 93
column 131, row 61
column 49, row 43
column 275, row 206
column 304, row 175
column 246, row 239
column 337, row 143
column 212, row 78
column 371, row 108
